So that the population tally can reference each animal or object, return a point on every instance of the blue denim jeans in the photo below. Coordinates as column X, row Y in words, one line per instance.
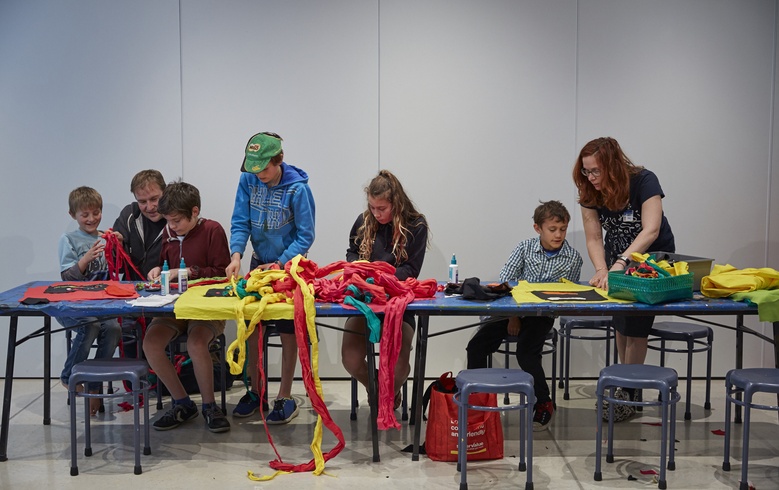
column 107, row 331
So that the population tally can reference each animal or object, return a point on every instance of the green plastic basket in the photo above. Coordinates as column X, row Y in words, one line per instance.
column 650, row 290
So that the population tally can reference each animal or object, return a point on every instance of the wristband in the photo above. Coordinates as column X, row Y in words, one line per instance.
column 623, row 259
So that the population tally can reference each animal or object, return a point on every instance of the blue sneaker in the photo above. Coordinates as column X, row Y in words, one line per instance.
column 284, row 410
column 248, row 405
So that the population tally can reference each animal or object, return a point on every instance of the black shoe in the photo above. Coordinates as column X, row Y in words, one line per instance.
column 177, row 415
column 215, row 419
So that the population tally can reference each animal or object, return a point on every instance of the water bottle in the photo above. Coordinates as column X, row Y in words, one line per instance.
column 454, row 273
column 165, row 279
column 183, row 276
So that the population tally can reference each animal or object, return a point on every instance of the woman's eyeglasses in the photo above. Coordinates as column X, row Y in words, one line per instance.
column 594, row 172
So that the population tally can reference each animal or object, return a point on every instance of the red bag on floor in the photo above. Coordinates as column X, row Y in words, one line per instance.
column 485, row 431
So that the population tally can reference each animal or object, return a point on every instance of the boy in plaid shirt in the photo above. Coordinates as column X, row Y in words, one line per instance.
column 545, row 258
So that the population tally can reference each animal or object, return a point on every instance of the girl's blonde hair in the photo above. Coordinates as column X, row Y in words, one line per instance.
column 404, row 214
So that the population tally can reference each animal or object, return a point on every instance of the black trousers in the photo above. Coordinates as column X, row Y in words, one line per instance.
column 532, row 334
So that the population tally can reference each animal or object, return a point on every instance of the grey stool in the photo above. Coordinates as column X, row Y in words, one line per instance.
column 638, row 376
column 746, row 382
column 495, row 380
column 602, row 329
column 550, row 347
column 135, row 372
column 693, row 335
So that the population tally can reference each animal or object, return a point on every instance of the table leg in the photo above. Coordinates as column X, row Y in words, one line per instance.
column 373, row 397
column 9, row 380
column 47, row 370
column 419, row 381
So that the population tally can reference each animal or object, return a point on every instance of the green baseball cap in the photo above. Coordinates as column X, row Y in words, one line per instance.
column 259, row 150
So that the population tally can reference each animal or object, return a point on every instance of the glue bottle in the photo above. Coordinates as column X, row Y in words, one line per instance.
column 165, row 279
column 183, row 276
column 454, row 273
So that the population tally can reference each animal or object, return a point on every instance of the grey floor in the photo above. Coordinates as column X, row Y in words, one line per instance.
column 192, row 457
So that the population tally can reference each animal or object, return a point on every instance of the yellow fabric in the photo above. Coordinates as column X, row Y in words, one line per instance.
column 310, row 308
column 523, row 291
column 725, row 280
column 678, row 268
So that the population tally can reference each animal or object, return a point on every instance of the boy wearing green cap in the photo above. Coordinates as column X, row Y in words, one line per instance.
column 274, row 208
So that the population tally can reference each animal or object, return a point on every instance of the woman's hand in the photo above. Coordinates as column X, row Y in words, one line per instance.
column 600, row 279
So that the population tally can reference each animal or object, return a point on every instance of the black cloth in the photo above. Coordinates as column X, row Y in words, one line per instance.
column 530, row 343
column 472, row 289
column 633, row 326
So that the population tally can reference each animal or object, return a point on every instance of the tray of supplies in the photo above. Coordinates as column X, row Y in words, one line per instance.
column 650, row 290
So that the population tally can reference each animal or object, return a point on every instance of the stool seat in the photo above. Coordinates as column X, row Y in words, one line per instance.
column 679, row 331
column 109, row 369
column 746, row 382
column 641, row 376
column 495, row 380
column 134, row 371
column 755, row 379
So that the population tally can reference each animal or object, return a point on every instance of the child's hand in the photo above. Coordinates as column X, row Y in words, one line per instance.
column 234, row 269
column 154, row 275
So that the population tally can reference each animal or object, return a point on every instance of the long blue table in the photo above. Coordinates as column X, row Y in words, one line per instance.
column 423, row 309
column 507, row 306
column 10, row 307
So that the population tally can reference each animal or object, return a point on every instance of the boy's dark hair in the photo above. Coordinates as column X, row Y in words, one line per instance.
column 146, row 177
column 179, row 198
column 550, row 209
column 84, row 198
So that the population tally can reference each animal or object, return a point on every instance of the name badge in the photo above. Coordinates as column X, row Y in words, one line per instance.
column 627, row 216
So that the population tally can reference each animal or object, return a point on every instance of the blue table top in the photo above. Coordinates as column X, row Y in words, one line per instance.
column 440, row 305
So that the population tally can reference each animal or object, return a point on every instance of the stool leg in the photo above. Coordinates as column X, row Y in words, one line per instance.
column 146, row 446
column 608, row 346
column 562, row 356
column 73, row 463
column 531, row 399
column 87, row 428
column 688, row 395
column 567, row 375
column 523, row 429
column 726, row 458
column 137, row 425
column 610, row 443
column 404, row 403
column 672, row 441
column 744, row 485
column 598, row 432
column 462, row 437
column 664, row 394
column 506, row 366
column 710, row 339
column 554, row 371
column 353, row 413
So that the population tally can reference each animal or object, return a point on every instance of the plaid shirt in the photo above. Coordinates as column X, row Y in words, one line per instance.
column 529, row 262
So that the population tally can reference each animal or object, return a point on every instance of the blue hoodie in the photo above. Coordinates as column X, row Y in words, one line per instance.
column 279, row 219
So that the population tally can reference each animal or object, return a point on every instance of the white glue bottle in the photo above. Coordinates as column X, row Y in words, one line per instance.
column 454, row 273
column 165, row 279
column 183, row 276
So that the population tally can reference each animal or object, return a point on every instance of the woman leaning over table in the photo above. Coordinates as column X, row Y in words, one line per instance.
column 625, row 200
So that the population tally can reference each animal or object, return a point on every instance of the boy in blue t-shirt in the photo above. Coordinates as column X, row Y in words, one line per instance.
column 82, row 258
column 274, row 210
column 546, row 258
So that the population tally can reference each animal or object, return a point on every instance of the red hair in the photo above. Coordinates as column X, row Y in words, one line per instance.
column 616, row 169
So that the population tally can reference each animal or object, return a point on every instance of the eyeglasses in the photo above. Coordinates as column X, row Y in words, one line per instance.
column 594, row 172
